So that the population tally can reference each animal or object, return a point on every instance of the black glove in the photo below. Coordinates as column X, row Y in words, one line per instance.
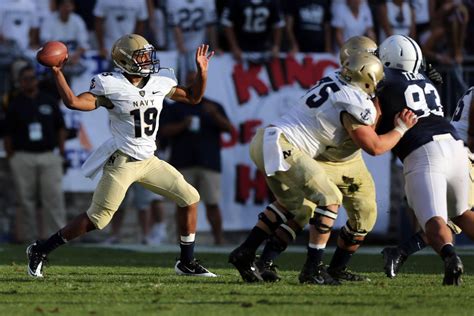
column 434, row 75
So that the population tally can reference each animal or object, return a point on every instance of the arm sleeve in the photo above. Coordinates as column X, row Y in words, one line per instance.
column 350, row 122
column 97, row 86
column 168, row 85
column 358, row 106
column 336, row 17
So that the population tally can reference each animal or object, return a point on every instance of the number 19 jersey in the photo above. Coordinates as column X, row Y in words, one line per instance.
column 134, row 112
column 315, row 122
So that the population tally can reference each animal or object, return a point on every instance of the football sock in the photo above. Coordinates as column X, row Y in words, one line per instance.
column 340, row 259
column 270, row 252
column 412, row 245
column 187, row 248
column 447, row 251
column 315, row 254
column 255, row 238
column 52, row 243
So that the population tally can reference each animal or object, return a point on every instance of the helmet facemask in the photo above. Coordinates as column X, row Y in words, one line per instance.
column 135, row 56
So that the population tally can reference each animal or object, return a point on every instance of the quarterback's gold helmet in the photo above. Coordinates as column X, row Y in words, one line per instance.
column 134, row 55
column 356, row 45
column 363, row 70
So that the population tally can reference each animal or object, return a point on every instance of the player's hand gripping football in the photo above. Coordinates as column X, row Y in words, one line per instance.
column 203, row 57
column 405, row 120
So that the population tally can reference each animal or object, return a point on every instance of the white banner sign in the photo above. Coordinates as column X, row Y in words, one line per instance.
column 253, row 96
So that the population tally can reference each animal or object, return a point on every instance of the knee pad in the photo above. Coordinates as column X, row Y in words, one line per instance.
column 350, row 236
column 278, row 242
column 281, row 217
column 317, row 219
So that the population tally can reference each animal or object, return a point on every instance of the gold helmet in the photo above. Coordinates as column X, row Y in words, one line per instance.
column 134, row 55
column 355, row 45
column 363, row 70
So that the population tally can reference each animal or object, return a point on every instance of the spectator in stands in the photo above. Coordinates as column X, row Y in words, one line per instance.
column 114, row 18
column 253, row 26
column 193, row 133
column 193, row 22
column 423, row 14
column 308, row 25
column 157, row 23
column 44, row 9
column 396, row 17
column 445, row 44
column 352, row 18
column 68, row 27
column 19, row 24
column 143, row 201
column 34, row 129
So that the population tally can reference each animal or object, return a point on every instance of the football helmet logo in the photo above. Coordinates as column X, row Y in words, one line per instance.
column 363, row 70
column 356, row 45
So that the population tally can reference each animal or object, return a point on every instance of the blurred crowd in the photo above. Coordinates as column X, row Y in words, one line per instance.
column 252, row 30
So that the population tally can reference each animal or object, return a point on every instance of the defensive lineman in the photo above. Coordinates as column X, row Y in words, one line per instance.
column 134, row 99
column 435, row 162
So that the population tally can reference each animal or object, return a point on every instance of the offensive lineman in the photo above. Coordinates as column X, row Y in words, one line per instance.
column 337, row 108
column 347, row 170
column 435, row 162
column 134, row 98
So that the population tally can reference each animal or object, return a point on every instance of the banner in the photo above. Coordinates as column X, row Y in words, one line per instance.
column 253, row 95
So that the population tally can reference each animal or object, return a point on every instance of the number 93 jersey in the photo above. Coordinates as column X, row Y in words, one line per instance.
column 134, row 112
column 400, row 90
column 315, row 122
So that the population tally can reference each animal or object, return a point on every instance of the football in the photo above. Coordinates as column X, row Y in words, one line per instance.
column 52, row 54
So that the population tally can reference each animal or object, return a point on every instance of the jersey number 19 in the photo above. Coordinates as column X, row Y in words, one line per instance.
column 149, row 121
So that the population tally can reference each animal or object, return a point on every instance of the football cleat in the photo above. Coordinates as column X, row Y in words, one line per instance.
column 244, row 261
column 393, row 260
column 316, row 274
column 453, row 269
column 36, row 261
column 268, row 271
column 343, row 274
column 192, row 268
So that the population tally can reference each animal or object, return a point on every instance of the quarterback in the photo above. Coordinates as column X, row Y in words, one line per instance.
column 134, row 99
column 336, row 109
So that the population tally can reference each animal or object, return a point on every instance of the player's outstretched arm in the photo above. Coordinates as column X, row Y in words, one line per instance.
column 372, row 143
column 84, row 102
column 194, row 93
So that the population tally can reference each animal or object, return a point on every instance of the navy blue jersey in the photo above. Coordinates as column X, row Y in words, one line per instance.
column 310, row 18
column 253, row 22
column 400, row 90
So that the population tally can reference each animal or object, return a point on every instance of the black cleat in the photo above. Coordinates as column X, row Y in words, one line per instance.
column 36, row 260
column 393, row 260
column 316, row 274
column 244, row 261
column 192, row 268
column 453, row 269
column 268, row 271
column 343, row 274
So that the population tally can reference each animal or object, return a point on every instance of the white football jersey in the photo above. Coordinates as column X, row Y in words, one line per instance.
column 134, row 114
column 17, row 17
column 460, row 118
column 351, row 25
column 192, row 17
column 120, row 17
column 314, row 123
column 73, row 32
column 399, row 19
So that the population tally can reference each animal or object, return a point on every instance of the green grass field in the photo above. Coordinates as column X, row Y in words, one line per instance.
column 100, row 281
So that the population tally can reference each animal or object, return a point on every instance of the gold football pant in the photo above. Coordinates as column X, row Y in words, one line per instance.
column 154, row 174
